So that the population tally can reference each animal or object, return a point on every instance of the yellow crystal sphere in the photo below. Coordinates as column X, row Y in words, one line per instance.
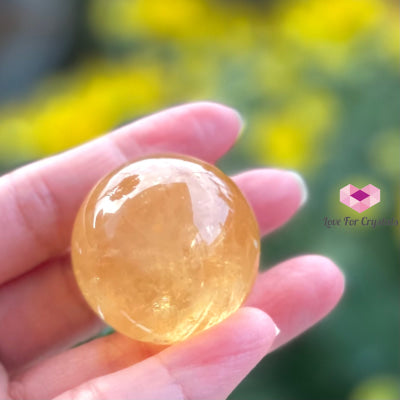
column 165, row 247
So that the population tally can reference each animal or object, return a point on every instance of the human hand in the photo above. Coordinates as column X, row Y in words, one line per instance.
column 42, row 313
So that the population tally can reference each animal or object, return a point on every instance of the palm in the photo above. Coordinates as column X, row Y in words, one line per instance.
column 42, row 314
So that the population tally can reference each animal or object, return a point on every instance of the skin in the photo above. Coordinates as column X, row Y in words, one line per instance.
column 42, row 314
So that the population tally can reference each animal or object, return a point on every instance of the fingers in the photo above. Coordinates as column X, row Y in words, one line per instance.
column 98, row 357
column 41, row 312
column 52, row 309
column 298, row 293
column 275, row 195
column 208, row 366
column 38, row 202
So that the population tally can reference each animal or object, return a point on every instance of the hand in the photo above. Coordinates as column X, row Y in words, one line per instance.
column 42, row 313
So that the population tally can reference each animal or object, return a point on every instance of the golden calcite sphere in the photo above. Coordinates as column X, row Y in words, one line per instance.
column 165, row 247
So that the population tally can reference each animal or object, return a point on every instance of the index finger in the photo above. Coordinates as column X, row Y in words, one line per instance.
column 38, row 202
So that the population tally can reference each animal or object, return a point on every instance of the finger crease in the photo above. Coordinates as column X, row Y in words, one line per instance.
column 173, row 378
column 16, row 391
column 120, row 154
column 25, row 220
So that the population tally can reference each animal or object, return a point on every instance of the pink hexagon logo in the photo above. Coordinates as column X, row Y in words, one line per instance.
column 360, row 199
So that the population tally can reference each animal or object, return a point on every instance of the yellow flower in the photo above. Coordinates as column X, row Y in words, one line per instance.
column 389, row 34
column 293, row 136
column 179, row 21
column 171, row 18
column 316, row 21
column 97, row 98
column 232, row 52
column 16, row 140
column 377, row 387
column 326, row 31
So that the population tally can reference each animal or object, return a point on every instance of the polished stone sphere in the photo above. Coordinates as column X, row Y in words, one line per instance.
column 165, row 247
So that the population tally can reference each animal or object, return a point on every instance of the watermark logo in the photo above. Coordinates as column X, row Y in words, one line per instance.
column 360, row 199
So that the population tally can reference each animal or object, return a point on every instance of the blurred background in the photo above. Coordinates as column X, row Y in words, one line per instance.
column 318, row 84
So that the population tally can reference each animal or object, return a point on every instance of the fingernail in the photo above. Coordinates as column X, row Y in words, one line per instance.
column 277, row 330
column 302, row 185
column 243, row 124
